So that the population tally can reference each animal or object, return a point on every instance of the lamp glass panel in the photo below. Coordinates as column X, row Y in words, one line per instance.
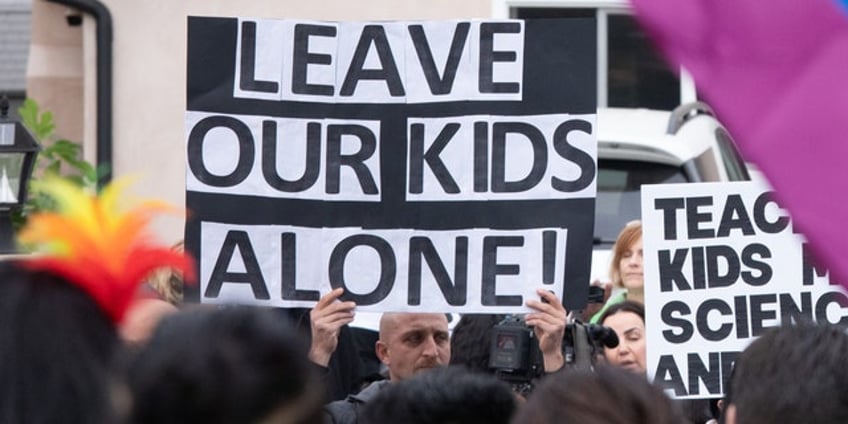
column 7, row 134
column 11, row 165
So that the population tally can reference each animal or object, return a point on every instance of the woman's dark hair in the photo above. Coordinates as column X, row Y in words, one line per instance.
column 232, row 365
column 607, row 395
column 56, row 350
column 625, row 306
column 442, row 395
column 470, row 341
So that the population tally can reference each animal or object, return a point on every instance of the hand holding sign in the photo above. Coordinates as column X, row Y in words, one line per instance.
column 327, row 318
column 549, row 327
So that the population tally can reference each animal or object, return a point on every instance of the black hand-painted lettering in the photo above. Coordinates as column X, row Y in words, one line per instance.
column 669, row 207
column 288, row 275
column 253, row 272
column 540, row 156
column 312, row 161
column 491, row 270
column 302, row 58
column 549, row 247
column 765, row 271
column 376, row 35
column 583, row 160
column 791, row 313
column 699, row 268
column 356, row 161
column 709, row 375
column 758, row 314
column 488, row 57
column 671, row 270
column 668, row 375
column 454, row 291
column 714, row 256
column 694, row 217
column 388, row 268
column 735, row 217
column 247, row 151
column 740, row 304
column 810, row 267
column 247, row 80
column 669, row 310
column 825, row 301
column 418, row 156
column 760, row 219
column 703, row 322
column 444, row 84
column 481, row 157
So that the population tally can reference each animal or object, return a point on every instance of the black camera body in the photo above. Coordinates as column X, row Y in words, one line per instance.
column 596, row 295
column 514, row 353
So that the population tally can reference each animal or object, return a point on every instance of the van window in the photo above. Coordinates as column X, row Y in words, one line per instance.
column 732, row 160
column 619, row 193
column 636, row 76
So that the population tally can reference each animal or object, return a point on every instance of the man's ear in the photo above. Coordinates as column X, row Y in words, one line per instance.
column 382, row 352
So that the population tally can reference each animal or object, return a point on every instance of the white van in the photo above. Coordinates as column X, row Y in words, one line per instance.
column 642, row 146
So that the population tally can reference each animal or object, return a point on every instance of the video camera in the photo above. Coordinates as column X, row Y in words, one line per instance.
column 515, row 357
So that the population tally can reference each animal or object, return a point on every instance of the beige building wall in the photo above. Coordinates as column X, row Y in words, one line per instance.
column 149, row 51
column 55, row 68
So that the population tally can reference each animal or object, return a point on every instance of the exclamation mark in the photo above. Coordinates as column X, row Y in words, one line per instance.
column 549, row 244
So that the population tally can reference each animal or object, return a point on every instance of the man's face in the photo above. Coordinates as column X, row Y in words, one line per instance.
column 413, row 342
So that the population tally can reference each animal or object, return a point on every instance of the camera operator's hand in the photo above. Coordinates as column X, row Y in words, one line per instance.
column 327, row 318
column 549, row 326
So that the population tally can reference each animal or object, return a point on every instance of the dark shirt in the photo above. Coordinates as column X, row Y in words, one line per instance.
column 347, row 411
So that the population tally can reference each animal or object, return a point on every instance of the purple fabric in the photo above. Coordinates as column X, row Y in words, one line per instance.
column 776, row 72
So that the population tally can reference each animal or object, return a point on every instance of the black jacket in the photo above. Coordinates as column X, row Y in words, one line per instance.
column 347, row 411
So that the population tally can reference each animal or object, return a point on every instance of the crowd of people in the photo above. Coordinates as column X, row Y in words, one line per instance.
column 75, row 351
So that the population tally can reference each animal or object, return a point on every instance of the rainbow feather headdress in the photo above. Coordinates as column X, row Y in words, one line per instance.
column 93, row 243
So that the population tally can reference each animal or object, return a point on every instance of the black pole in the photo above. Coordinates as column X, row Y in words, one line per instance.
column 104, row 81
column 7, row 233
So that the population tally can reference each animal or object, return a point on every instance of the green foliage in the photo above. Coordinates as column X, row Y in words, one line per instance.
column 58, row 157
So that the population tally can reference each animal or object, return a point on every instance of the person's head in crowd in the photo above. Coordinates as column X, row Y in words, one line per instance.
column 56, row 350
column 232, row 365
column 167, row 283
column 142, row 317
column 607, row 395
column 444, row 395
column 626, row 265
column 791, row 374
column 627, row 319
column 470, row 341
column 412, row 342
column 60, row 308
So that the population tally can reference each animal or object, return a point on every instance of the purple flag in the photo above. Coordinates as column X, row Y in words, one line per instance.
column 776, row 72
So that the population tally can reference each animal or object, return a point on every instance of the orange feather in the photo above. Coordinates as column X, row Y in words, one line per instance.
column 96, row 245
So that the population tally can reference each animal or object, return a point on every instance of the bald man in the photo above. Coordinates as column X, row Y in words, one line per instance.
column 408, row 343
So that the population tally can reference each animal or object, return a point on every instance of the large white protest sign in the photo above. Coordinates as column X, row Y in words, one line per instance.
column 468, row 270
column 722, row 265
column 422, row 166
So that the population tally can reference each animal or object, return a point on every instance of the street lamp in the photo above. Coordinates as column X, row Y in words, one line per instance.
column 18, row 149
